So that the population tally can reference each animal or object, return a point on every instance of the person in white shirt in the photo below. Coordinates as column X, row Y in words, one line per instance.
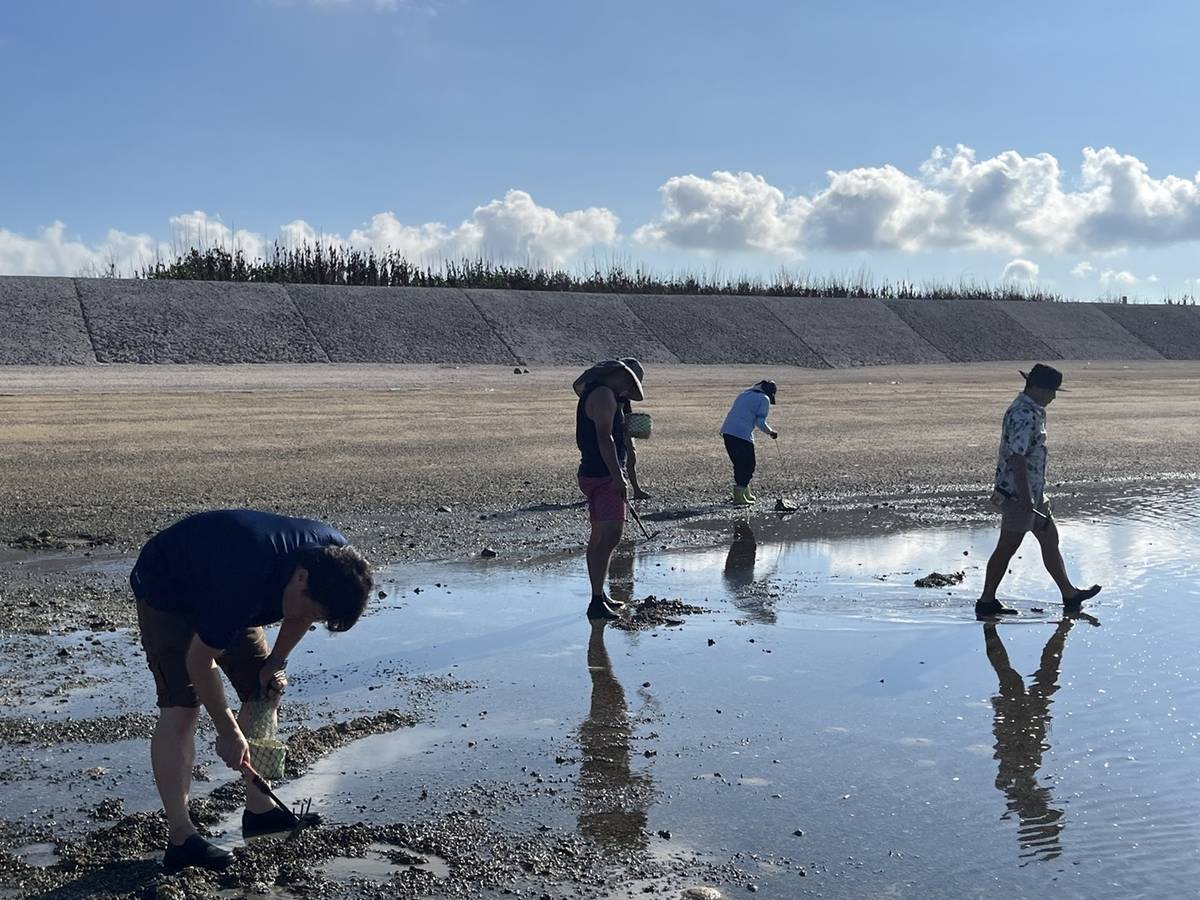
column 748, row 414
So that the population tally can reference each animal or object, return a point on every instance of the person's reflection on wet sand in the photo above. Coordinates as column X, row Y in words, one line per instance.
column 620, row 574
column 615, row 800
column 739, row 564
column 1021, row 720
column 752, row 597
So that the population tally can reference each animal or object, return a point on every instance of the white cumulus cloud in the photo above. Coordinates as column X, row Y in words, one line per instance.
column 1111, row 276
column 52, row 252
column 510, row 229
column 1025, row 270
column 199, row 229
column 726, row 212
column 1008, row 203
column 1083, row 269
column 513, row 228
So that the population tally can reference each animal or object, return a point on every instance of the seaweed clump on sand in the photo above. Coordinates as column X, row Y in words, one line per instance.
column 652, row 612
column 938, row 579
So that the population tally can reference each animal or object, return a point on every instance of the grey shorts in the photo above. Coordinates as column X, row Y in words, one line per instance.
column 1013, row 518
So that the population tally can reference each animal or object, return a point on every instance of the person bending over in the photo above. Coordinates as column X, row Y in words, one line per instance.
column 748, row 413
column 205, row 587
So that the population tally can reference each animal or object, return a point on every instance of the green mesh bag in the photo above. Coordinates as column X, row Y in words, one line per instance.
column 268, row 755
column 638, row 425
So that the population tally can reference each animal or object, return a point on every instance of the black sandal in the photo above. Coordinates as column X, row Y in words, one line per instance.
column 1080, row 596
column 992, row 609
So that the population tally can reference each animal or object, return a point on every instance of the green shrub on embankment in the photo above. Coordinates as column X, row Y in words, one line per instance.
column 337, row 265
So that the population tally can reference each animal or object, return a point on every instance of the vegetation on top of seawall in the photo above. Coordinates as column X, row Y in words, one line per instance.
column 338, row 265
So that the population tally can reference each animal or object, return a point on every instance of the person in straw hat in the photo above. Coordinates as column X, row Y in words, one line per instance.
column 1020, row 494
column 603, row 391
column 205, row 587
column 625, row 444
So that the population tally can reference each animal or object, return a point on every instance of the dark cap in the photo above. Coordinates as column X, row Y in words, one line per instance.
column 768, row 388
column 1046, row 377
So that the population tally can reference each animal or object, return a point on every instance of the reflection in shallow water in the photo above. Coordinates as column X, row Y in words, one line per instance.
column 615, row 799
column 620, row 574
column 1020, row 724
column 755, row 597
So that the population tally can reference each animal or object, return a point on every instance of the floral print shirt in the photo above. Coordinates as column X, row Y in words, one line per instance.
column 1023, row 434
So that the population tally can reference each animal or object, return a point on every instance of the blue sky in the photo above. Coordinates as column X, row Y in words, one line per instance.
column 684, row 134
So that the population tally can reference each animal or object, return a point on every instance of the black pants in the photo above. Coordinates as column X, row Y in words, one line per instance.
column 741, row 454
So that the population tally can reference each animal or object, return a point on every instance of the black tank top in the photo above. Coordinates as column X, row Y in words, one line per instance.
column 591, row 463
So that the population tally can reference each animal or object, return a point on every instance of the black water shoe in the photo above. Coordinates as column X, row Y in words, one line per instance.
column 198, row 852
column 275, row 820
column 598, row 609
column 1080, row 596
column 993, row 608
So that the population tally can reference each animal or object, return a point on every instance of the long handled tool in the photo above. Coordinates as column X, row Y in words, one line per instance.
column 306, row 817
column 261, row 783
column 638, row 519
column 782, row 504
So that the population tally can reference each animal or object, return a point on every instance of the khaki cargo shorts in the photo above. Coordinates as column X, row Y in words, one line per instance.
column 1013, row 518
column 166, row 637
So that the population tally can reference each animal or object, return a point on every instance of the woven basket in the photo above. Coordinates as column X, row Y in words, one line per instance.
column 638, row 425
column 267, row 755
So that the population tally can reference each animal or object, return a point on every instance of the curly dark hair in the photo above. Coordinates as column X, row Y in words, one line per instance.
column 339, row 579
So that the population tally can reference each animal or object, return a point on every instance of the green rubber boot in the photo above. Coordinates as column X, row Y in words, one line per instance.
column 740, row 497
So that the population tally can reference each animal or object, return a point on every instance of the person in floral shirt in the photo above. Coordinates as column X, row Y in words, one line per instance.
column 1020, row 493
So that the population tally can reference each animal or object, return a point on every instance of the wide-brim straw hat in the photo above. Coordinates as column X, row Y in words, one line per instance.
column 606, row 367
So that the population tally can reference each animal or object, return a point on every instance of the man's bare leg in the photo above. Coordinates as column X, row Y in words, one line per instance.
column 172, row 755
column 1053, row 561
column 997, row 565
column 601, row 545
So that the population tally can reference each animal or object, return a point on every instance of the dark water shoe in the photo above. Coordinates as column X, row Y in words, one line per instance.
column 275, row 820
column 993, row 608
column 598, row 609
column 1081, row 595
column 198, row 852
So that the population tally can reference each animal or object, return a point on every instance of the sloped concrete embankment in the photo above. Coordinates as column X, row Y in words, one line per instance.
column 194, row 322
column 41, row 323
column 971, row 330
column 62, row 321
column 399, row 325
column 1173, row 331
column 545, row 328
column 848, row 332
column 1079, row 331
column 722, row 330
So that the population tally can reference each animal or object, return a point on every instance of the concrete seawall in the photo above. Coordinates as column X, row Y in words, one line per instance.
column 64, row 321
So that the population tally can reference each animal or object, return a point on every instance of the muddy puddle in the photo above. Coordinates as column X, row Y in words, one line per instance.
column 826, row 729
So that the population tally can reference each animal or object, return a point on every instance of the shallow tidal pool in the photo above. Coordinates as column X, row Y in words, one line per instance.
column 828, row 726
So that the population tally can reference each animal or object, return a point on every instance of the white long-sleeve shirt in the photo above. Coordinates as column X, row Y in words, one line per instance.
column 749, row 411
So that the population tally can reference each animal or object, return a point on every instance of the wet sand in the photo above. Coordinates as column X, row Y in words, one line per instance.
column 95, row 460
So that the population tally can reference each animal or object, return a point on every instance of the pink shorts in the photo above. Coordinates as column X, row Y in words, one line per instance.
column 604, row 503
